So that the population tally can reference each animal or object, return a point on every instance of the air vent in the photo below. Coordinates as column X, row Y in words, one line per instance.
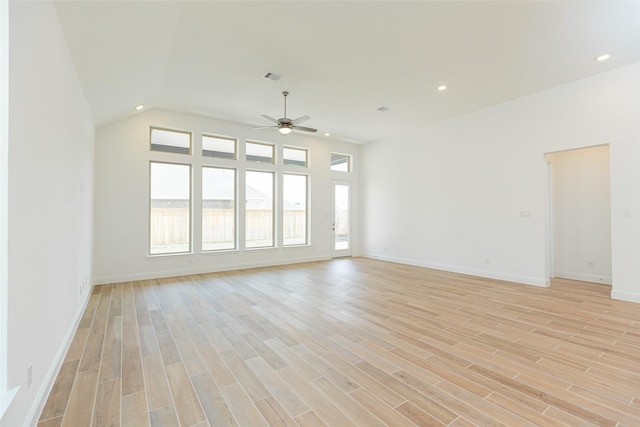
column 384, row 109
column 272, row 76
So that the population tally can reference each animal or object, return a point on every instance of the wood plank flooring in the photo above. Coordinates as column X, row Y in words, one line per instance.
column 349, row 342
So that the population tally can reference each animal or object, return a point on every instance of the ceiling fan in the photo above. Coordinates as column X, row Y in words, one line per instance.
column 286, row 125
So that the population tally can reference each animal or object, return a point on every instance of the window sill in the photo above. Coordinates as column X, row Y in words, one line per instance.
column 5, row 400
column 219, row 251
column 172, row 255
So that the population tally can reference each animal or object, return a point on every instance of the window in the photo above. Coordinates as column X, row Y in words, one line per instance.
column 294, row 209
column 170, row 141
column 259, row 209
column 294, row 156
column 216, row 146
column 170, row 210
column 218, row 209
column 258, row 152
column 340, row 162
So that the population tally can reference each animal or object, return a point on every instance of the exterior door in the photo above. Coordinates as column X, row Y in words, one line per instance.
column 341, row 226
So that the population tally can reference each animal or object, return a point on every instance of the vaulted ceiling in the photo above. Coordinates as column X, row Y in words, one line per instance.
column 341, row 61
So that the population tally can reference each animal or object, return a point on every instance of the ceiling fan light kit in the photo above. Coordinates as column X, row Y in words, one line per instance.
column 285, row 125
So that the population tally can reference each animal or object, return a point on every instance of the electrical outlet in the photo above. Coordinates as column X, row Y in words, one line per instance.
column 591, row 264
column 29, row 375
column 487, row 261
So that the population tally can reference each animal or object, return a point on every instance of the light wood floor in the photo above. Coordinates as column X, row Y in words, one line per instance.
column 349, row 342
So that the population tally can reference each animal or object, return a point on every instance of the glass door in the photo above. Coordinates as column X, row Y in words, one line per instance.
column 341, row 226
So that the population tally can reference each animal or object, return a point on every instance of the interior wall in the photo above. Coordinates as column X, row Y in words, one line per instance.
column 470, row 194
column 122, row 198
column 581, row 214
column 50, row 181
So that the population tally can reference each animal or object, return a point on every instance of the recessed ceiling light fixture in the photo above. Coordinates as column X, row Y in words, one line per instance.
column 602, row 57
column 327, row 134
column 442, row 87
column 139, row 107
column 384, row 109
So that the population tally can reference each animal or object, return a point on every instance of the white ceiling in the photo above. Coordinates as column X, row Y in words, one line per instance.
column 340, row 60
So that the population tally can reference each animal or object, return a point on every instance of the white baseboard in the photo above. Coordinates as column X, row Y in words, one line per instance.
column 47, row 384
column 103, row 280
column 626, row 296
column 594, row 278
column 533, row 281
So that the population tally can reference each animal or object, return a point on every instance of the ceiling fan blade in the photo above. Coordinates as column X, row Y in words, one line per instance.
column 267, row 127
column 300, row 120
column 271, row 119
column 306, row 129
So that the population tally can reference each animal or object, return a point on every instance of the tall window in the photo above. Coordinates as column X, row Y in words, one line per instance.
column 170, row 210
column 218, row 208
column 259, row 216
column 294, row 195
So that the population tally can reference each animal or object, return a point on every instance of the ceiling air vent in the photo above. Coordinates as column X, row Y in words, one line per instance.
column 272, row 76
column 384, row 109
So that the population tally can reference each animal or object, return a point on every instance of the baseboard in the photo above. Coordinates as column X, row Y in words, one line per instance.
column 533, row 281
column 43, row 393
column 593, row 278
column 626, row 296
column 103, row 280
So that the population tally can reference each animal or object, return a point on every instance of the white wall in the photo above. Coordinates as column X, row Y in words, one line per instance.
column 50, row 203
column 451, row 195
column 581, row 214
column 122, row 197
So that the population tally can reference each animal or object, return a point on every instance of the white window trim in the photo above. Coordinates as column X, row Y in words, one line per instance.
column 191, row 243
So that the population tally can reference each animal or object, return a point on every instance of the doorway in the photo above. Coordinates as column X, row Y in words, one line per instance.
column 580, row 215
column 341, row 226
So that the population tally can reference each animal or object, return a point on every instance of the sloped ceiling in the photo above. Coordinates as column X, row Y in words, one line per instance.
column 341, row 61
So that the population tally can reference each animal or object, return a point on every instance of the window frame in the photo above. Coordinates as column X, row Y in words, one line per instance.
column 290, row 147
column 259, row 162
column 306, row 210
column 235, row 209
column 150, row 200
column 228, row 138
column 274, row 211
column 152, row 128
column 349, row 158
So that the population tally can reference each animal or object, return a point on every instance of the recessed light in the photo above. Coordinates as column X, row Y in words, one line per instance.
column 139, row 107
column 442, row 87
column 327, row 134
column 384, row 109
column 602, row 57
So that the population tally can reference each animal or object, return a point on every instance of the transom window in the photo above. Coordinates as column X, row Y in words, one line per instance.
column 217, row 146
column 294, row 156
column 340, row 162
column 259, row 152
column 170, row 141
